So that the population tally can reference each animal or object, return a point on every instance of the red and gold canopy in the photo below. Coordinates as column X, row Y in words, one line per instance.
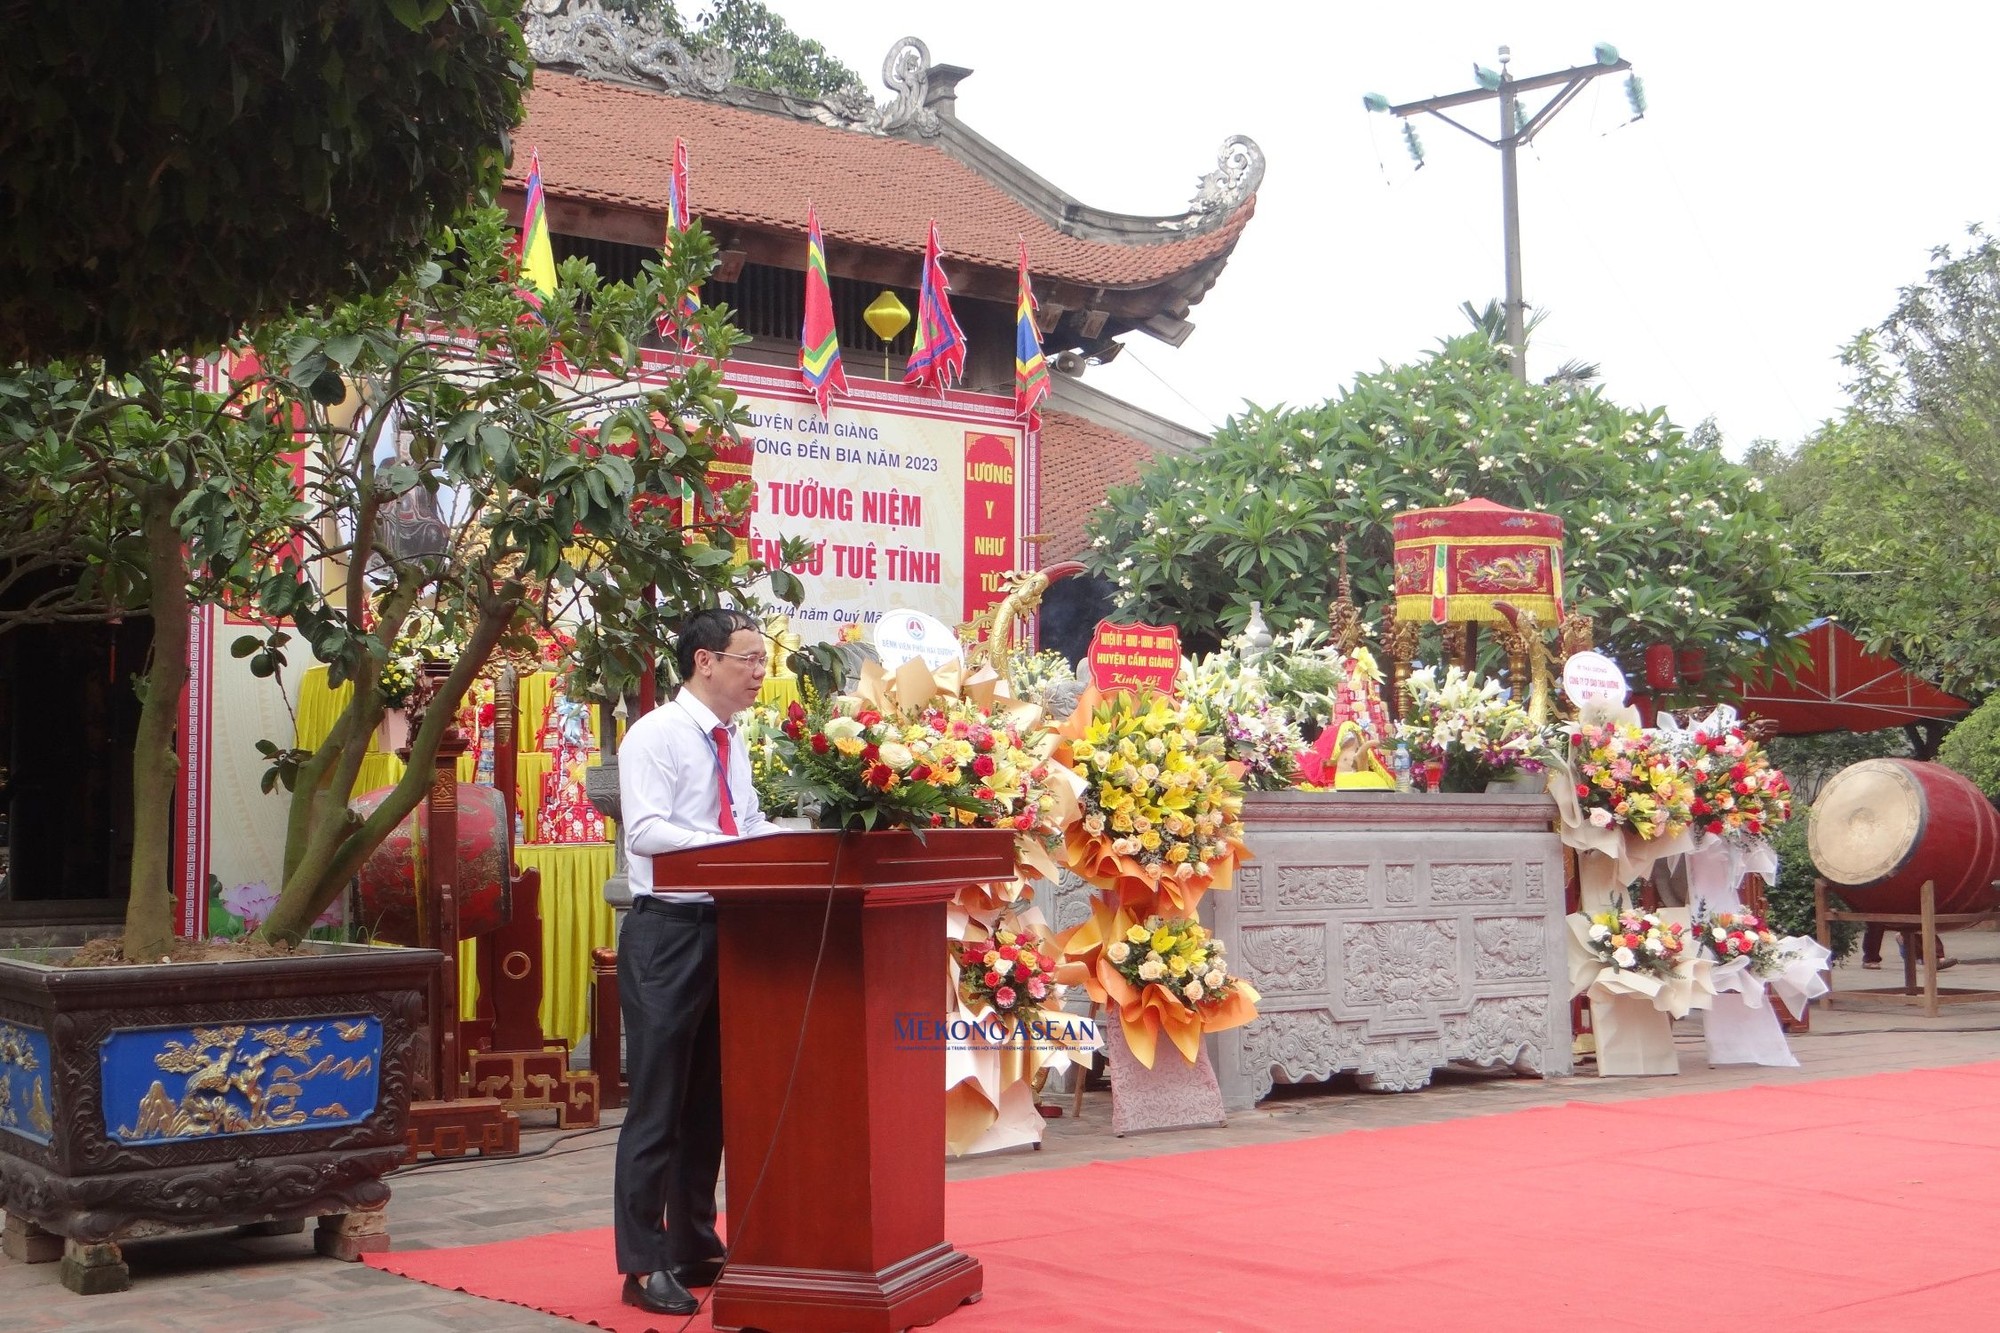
column 1454, row 563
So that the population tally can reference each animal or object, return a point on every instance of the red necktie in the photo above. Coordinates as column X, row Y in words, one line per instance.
column 725, row 816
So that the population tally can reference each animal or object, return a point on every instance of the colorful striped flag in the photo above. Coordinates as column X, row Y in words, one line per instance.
column 538, row 259
column 1031, row 372
column 938, row 359
column 677, row 222
column 819, row 340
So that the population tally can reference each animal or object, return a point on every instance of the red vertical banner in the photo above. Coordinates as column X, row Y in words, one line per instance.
column 990, row 478
column 189, row 855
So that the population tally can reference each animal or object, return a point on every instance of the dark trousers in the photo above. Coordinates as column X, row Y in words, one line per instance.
column 670, row 1147
column 1871, row 944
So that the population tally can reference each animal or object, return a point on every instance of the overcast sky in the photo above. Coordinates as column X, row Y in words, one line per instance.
column 1796, row 166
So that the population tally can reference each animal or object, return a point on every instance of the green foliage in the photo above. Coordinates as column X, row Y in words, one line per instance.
column 1667, row 540
column 1792, row 907
column 169, row 172
column 430, row 395
column 769, row 55
column 1973, row 747
column 1893, row 501
column 1808, row 761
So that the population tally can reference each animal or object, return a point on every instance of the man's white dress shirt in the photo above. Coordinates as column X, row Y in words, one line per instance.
column 668, row 794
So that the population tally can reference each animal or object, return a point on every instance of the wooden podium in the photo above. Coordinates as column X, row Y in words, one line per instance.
column 845, row 1233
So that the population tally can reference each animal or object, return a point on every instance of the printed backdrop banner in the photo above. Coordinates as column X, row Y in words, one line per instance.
column 911, row 500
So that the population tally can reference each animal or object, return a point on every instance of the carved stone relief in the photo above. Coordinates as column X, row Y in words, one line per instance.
column 1250, row 887
column 1499, row 1031
column 1403, row 968
column 1284, row 958
column 1301, row 1044
column 1509, row 946
column 1390, row 952
column 1404, row 1065
column 1402, row 884
column 1472, row 882
column 1322, row 886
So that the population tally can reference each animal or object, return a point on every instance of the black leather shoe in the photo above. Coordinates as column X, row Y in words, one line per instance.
column 659, row 1293
column 699, row 1272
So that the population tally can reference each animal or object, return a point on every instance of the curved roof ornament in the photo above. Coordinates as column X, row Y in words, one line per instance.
column 615, row 44
column 1239, row 170
column 906, row 71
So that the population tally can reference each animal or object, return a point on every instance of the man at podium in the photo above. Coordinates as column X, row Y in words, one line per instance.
column 683, row 780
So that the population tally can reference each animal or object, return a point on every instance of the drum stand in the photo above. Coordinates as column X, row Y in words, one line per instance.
column 1923, row 923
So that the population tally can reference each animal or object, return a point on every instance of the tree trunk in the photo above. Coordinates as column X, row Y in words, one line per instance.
column 149, row 913
column 337, row 841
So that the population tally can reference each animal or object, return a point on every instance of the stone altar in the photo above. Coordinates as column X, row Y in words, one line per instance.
column 1392, row 934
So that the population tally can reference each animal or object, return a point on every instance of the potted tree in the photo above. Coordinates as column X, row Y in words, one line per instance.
column 244, row 1092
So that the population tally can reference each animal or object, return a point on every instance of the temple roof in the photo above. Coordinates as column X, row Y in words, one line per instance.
column 877, row 176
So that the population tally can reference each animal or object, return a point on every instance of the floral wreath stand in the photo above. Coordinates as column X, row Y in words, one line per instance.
column 1160, row 1072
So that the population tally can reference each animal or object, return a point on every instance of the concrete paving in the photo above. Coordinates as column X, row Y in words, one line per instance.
column 219, row 1282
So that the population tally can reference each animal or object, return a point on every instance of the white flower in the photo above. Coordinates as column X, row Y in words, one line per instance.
column 896, row 755
column 1193, row 991
column 1152, row 970
column 843, row 729
column 1601, row 818
column 1600, row 931
column 1216, row 978
column 1624, row 957
column 1119, row 951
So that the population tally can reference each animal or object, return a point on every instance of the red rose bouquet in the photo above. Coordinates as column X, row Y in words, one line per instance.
column 1736, row 791
column 1012, row 974
column 949, row 763
column 1728, row 936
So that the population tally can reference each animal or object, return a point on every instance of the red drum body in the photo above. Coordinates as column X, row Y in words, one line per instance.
column 1883, row 826
column 387, row 895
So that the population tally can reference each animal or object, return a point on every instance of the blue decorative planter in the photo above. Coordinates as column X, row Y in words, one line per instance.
column 138, row 1100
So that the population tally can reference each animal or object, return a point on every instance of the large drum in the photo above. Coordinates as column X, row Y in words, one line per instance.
column 1881, row 827
column 387, row 893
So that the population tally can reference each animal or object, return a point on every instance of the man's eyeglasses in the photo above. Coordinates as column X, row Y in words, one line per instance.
column 751, row 659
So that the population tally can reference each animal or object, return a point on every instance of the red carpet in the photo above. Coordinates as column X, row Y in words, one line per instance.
column 1849, row 1204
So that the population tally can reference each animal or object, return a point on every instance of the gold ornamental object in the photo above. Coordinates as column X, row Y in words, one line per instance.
column 888, row 317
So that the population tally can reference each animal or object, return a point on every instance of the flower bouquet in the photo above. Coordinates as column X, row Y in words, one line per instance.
column 911, row 751
column 1470, row 726
column 1640, row 970
column 770, row 747
column 1727, row 937
column 1736, row 792
column 950, row 764
column 1161, row 803
column 1630, row 940
column 1011, row 975
column 1163, row 976
column 1256, row 731
column 1625, row 779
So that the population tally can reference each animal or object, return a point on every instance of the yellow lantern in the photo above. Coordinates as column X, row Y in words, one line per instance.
column 888, row 317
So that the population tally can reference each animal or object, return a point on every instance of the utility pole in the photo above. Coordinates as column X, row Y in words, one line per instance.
column 1516, row 128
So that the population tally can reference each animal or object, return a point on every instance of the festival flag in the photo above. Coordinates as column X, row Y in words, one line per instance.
column 677, row 222
column 819, row 340
column 538, row 259
column 1031, row 372
column 938, row 359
